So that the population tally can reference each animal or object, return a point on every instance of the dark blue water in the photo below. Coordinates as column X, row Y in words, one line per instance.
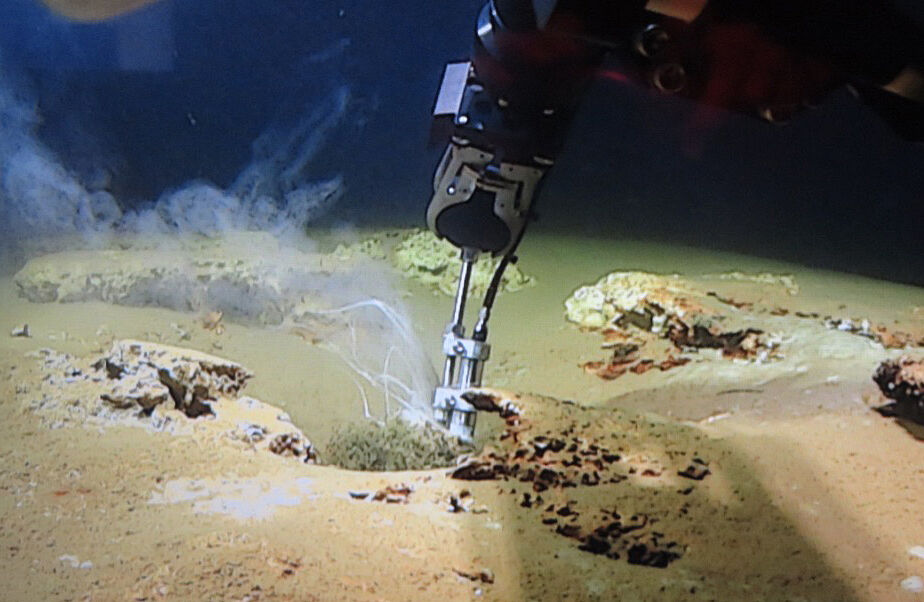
column 180, row 90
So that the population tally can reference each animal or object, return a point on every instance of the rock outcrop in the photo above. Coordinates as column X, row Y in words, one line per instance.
column 634, row 310
column 149, row 374
column 263, row 286
column 162, row 388
column 902, row 381
column 425, row 258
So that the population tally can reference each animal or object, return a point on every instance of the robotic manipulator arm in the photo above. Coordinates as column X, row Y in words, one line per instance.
column 506, row 111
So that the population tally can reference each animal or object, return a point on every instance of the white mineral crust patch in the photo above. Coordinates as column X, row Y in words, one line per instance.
column 619, row 293
column 241, row 499
column 263, row 286
column 913, row 584
column 74, row 562
column 163, row 388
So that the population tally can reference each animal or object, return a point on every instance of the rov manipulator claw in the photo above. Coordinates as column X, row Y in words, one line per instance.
column 483, row 191
column 480, row 205
column 479, row 211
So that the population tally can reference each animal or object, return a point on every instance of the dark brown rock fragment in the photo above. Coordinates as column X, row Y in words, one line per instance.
column 570, row 531
column 902, row 381
column 738, row 344
column 697, row 470
column 653, row 557
column 595, row 545
column 474, row 471
column 291, row 444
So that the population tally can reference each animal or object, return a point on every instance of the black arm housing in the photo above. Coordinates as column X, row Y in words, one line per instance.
column 768, row 58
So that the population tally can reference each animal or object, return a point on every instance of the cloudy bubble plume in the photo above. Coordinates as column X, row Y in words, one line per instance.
column 41, row 199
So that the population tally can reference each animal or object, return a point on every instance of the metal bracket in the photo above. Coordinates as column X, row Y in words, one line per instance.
column 465, row 169
column 464, row 365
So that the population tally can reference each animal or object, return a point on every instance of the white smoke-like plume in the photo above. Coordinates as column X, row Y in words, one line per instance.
column 39, row 196
column 40, row 199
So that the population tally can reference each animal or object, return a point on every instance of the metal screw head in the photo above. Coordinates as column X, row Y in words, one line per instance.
column 778, row 114
column 651, row 41
column 462, row 119
column 669, row 77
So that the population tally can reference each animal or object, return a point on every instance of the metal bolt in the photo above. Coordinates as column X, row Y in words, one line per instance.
column 778, row 114
column 451, row 190
column 651, row 41
column 669, row 78
column 462, row 119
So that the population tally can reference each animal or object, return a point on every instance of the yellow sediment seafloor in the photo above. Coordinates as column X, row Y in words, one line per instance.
column 114, row 490
column 107, row 501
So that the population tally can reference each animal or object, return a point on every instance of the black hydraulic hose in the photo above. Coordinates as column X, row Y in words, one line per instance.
column 481, row 329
